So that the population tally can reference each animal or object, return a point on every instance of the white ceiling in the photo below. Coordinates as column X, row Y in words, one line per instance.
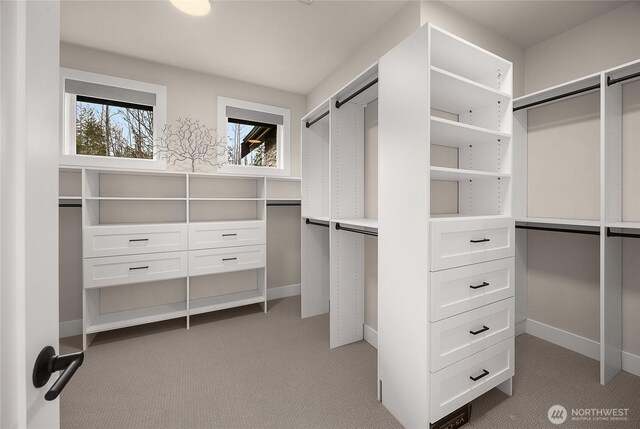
column 281, row 44
column 530, row 22
column 286, row 44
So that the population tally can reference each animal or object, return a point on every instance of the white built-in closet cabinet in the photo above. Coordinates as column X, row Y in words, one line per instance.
column 160, row 245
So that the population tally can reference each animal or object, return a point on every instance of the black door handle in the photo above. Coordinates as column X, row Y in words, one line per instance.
column 480, row 241
column 48, row 362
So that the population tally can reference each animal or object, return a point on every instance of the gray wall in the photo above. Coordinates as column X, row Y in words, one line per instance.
column 599, row 44
column 563, row 271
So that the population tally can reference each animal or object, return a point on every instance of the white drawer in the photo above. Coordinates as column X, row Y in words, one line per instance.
column 455, row 243
column 226, row 234
column 453, row 386
column 118, row 270
column 462, row 289
column 460, row 336
column 134, row 239
column 212, row 261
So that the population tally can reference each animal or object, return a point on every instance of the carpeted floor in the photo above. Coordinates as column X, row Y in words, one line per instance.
column 242, row 368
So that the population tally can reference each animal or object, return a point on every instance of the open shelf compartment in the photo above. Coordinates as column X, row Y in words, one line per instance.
column 451, row 53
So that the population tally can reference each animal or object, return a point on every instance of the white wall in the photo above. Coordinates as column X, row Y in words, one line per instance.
column 195, row 95
column 599, row 44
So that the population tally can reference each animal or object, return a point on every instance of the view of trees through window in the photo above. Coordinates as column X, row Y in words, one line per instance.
column 252, row 143
column 107, row 128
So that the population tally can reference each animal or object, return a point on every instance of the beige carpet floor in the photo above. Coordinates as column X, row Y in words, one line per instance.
column 241, row 368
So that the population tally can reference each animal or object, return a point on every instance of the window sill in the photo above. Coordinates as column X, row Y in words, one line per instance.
column 253, row 171
column 116, row 163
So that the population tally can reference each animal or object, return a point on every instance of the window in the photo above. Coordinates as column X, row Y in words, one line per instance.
column 111, row 122
column 257, row 137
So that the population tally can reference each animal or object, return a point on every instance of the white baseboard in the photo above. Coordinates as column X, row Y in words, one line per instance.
column 582, row 345
column 631, row 363
column 565, row 339
column 70, row 328
column 521, row 327
column 371, row 336
column 283, row 292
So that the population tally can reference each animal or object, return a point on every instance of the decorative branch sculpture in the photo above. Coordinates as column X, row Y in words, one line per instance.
column 189, row 140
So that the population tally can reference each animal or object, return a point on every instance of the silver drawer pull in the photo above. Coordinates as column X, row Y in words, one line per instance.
column 484, row 374
column 228, row 259
column 484, row 328
column 138, row 268
column 138, row 239
column 480, row 241
column 229, row 235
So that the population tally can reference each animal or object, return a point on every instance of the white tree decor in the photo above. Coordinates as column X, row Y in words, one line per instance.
column 189, row 140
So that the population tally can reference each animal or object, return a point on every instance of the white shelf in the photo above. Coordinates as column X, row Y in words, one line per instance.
column 558, row 90
column 134, row 199
column 458, row 56
column 123, row 319
column 452, row 217
column 456, row 134
column 226, row 199
column 455, row 94
column 457, row 175
column 626, row 225
column 558, row 221
column 221, row 302
column 362, row 222
column 226, row 221
column 74, row 197
column 283, row 179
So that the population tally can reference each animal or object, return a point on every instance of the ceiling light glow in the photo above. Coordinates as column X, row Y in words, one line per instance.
column 193, row 7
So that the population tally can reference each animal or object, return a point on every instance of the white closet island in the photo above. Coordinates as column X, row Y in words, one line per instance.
column 445, row 277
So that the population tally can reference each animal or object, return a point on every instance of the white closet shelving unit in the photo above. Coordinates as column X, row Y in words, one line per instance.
column 170, row 242
column 446, row 286
column 611, row 227
column 333, row 196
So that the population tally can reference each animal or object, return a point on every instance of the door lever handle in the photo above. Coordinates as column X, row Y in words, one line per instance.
column 48, row 362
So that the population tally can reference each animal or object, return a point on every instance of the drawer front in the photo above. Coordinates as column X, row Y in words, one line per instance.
column 456, row 243
column 134, row 239
column 212, row 261
column 460, row 336
column 226, row 234
column 453, row 387
column 462, row 289
column 118, row 270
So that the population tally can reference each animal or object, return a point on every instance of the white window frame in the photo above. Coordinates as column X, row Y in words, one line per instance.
column 283, row 139
column 68, row 156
